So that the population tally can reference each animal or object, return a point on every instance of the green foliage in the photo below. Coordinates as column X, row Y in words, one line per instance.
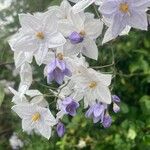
column 2, row 94
column 131, row 127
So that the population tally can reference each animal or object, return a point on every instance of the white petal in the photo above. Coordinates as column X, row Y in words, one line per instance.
column 105, row 78
column 25, row 42
column 80, row 6
column 26, row 75
column 41, row 53
column 108, row 36
column 44, row 130
column 66, row 28
column 50, row 24
column 27, row 125
column 24, row 111
column 104, row 94
column 56, row 40
column 28, row 20
column 33, row 93
column 138, row 20
column 93, row 28
column 49, row 118
column 19, row 58
column 118, row 25
column 78, row 20
column 141, row 4
column 90, row 49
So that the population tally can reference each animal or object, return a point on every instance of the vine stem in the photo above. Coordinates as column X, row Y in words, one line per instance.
column 6, row 63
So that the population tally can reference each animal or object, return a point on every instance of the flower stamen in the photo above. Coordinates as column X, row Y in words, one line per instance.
column 36, row 117
column 40, row 35
column 82, row 33
column 60, row 56
column 92, row 84
column 124, row 7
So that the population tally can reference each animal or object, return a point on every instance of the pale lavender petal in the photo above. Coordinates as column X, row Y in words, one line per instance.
column 116, row 108
column 118, row 25
column 50, row 77
column 60, row 129
column 115, row 99
column 99, row 109
column 67, row 72
column 75, row 38
column 58, row 75
column 96, row 119
column 107, row 121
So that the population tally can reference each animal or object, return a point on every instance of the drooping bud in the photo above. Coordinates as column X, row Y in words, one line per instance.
column 75, row 38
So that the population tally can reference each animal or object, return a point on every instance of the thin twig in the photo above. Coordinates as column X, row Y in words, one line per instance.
column 6, row 63
column 100, row 67
column 132, row 74
column 97, row 13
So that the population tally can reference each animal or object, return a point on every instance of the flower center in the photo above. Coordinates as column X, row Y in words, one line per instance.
column 60, row 56
column 92, row 84
column 82, row 33
column 40, row 35
column 36, row 117
column 124, row 7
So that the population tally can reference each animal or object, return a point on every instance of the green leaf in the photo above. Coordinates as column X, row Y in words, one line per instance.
column 124, row 108
column 2, row 95
column 131, row 134
column 145, row 104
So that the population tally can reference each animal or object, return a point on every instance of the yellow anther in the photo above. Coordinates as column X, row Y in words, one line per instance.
column 60, row 56
column 36, row 117
column 82, row 33
column 124, row 7
column 92, row 84
column 40, row 35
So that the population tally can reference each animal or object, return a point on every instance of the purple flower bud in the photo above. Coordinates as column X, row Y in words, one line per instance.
column 57, row 70
column 107, row 121
column 60, row 129
column 115, row 99
column 75, row 38
column 69, row 106
column 96, row 112
column 116, row 108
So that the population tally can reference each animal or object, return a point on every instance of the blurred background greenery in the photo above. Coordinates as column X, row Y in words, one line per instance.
column 131, row 127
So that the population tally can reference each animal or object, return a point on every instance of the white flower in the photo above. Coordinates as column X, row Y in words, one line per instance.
column 35, row 117
column 122, row 13
column 83, row 4
column 37, row 35
column 81, row 30
column 15, row 142
column 95, row 86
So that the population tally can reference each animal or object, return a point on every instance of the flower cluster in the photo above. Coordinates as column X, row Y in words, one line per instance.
column 60, row 39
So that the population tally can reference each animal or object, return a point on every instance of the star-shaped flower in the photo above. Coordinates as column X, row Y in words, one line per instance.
column 81, row 30
column 95, row 86
column 37, row 35
column 122, row 13
column 35, row 117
